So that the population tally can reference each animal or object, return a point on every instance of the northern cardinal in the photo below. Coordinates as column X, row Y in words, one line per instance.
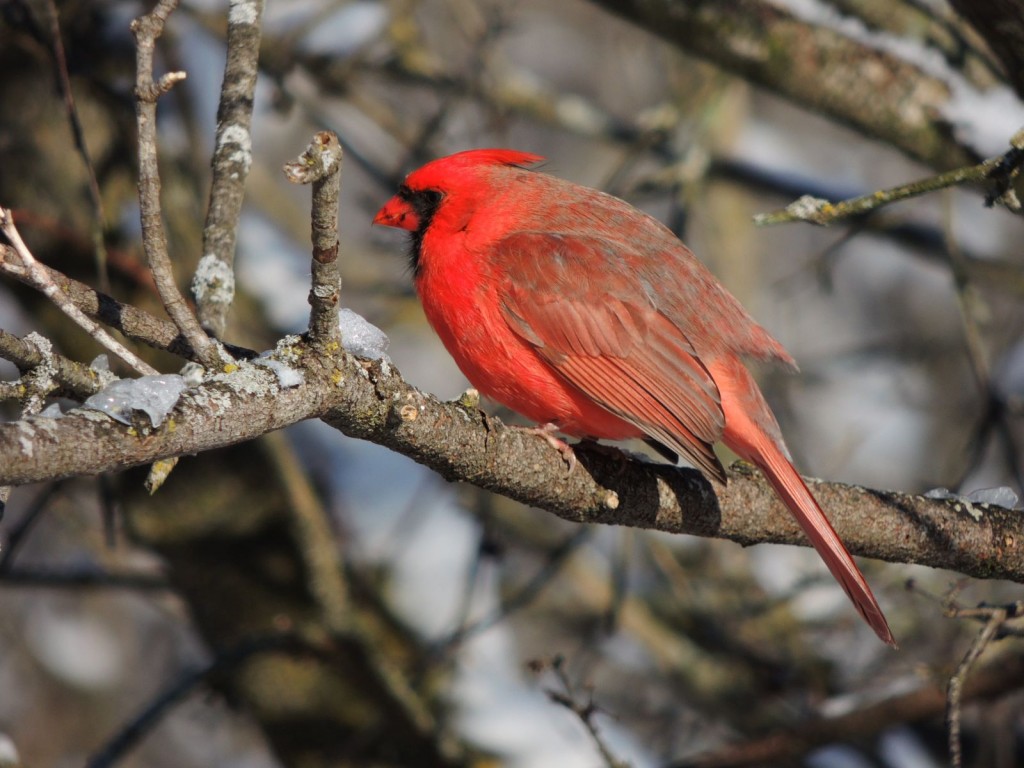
column 576, row 310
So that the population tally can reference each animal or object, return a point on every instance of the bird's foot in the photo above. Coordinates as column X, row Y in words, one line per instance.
column 547, row 431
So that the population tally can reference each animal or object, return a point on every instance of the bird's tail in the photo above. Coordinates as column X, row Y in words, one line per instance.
column 753, row 440
column 797, row 497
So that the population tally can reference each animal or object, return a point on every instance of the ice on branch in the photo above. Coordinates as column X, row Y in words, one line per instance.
column 155, row 395
column 287, row 376
column 361, row 338
column 52, row 411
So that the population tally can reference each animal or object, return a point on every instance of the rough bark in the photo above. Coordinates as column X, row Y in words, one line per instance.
column 373, row 402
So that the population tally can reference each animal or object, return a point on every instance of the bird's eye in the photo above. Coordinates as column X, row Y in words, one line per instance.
column 425, row 202
column 432, row 196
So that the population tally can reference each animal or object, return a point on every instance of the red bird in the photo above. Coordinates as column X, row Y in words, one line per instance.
column 577, row 310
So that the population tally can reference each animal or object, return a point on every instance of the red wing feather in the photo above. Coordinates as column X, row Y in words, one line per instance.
column 616, row 348
column 618, row 387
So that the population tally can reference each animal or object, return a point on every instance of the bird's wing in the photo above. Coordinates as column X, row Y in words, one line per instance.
column 591, row 319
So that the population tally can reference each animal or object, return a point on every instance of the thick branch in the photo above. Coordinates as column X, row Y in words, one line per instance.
column 374, row 403
column 936, row 29
column 875, row 92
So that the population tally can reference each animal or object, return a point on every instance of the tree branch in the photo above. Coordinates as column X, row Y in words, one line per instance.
column 875, row 92
column 373, row 402
column 214, row 282
column 41, row 280
column 78, row 131
column 1001, row 23
column 825, row 212
column 73, row 378
column 320, row 165
column 135, row 323
column 147, row 29
column 1001, row 676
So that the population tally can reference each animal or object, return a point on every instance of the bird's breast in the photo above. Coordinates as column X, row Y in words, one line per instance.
column 462, row 303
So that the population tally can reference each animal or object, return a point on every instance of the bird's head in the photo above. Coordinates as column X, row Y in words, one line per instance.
column 447, row 191
column 424, row 190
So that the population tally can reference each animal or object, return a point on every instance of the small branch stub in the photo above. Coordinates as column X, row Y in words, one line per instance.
column 321, row 159
column 150, row 92
column 470, row 399
column 320, row 165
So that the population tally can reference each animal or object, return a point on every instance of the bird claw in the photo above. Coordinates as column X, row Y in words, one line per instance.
column 547, row 431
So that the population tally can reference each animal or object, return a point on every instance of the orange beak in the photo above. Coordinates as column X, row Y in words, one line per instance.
column 398, row 213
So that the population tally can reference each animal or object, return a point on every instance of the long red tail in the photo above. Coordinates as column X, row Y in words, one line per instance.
column 746, row 419
column 794, row 492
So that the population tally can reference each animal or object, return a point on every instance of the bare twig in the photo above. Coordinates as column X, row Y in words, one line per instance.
column 81, row 578
column 64, row 81
column 994, row 414
column 817, row 211
column 524, row 596
column 969, row 304
column 42, row 281
column 147, row 29
column 136, row 324
column 17, row 533
column 999, row 677
column 585, row 710
column 139, row 726
column 996, row 617
column 214, row 282
column 313, row 535
column 320, row 165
